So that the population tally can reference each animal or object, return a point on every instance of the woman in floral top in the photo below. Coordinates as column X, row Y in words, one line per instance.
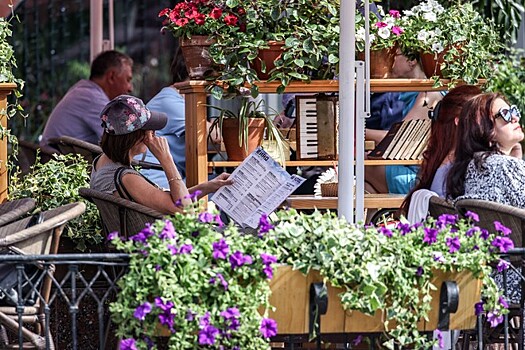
column 483, row 169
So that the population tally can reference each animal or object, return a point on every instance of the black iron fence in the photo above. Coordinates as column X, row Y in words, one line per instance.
column 62, row 302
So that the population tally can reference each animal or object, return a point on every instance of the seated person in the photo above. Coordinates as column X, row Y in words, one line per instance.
column 483, row 167
column 171, row 102
column 77, row 114
column 129, row 129
column 398, row 178
column 439, row 154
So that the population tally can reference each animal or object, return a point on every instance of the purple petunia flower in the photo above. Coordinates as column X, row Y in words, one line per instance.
column 430, row 235
column 143, row 235
column 168, row 232
column 268, row 271
column 238, row 259
column 220, row 249
column 268, row 259
column 478, row 308
column 206, row 217
column 453, row 244
column 158, row 267
column 505, row 231
column 357, row 340
column 178, row 203
column 128, row 344
column 173, row 249
column 190, row 315
column 204, row 320
column 502, row 265
column 503, row 302
column 185, row 249
column 268, row 328
column 221, row 279
column 264, row 225
column 230, row 313
column 404, row 228
column 471, row 215
column 163, row 306
column 149, row 343
column 438, row 256
column 112, row 236
column 218, row 220
column 494, row 319
column 141, row 311
column 445, row 219
column 207, row 335
column 441, row 343
column 503, row 243
column 419, row 271
column 167, row 319
column 471, row 231
column 193, row 196
column 484, row 234
column 385, row 231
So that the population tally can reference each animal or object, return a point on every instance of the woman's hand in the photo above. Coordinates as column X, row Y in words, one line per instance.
column 158, row 146
column 221, row 180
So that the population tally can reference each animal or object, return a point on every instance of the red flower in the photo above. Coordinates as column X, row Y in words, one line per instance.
column 381, row 24
column 164, row 12
column 241, row 11
column 231, row 20
column 174, row 16
column 191, row 13
column 200, row 19
column 242, row 27
column 216, row 13
column 181, row 22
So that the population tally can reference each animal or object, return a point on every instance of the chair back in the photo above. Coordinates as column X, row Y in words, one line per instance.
column 15, row 209
column 438, row 206
column 511, row 217
column 67, row 145
column 119, row 214
column 42, row 238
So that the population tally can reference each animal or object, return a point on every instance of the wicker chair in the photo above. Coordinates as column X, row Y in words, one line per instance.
column 119, row 214
column 40, row 238
column 67, row 145
column 16, row 209
column 27, row 155
column 438, row 206
column 513, row 218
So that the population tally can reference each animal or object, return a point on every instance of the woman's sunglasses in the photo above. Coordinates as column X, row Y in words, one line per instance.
column 507, row 113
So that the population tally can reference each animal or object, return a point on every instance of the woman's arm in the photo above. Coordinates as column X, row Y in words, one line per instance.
column 212, row 185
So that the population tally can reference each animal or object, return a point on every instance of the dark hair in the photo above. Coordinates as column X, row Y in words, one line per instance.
column 117, row 147
column 475, row 133
column 178, row 69
column 107, row 60
column 442, row 138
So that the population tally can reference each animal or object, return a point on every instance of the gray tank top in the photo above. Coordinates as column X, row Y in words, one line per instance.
column 103, row 179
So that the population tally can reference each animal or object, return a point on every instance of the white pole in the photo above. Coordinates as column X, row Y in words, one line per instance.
column 346, row 107
column 96, row 27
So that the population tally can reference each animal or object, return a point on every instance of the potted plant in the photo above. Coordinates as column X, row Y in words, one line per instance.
column 199, row 282
column 385, row 31
column 197, row 23
column 244, row 130
column 456, row 42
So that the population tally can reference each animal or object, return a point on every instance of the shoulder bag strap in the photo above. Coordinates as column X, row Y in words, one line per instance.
column 122, row 191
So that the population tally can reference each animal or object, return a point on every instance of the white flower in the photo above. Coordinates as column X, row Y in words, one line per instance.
column 384, row 32
column 390, row 21
column 408, row 13
column 437, row 31
column 360, row 34
column 430, row 16
column 380, row 10
column 372, row 38
column 437, row 47
column 423, row 36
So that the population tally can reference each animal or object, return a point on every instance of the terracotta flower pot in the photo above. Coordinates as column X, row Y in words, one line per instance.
column 197, row 56
column 268, row 56
column 381, row 62
column 230, row 137
column 432, row 62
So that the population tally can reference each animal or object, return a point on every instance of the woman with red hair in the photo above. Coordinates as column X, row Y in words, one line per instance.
column 439, row 154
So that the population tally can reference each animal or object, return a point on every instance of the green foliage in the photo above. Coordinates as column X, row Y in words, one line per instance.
column 509, row 80
column 7, row 66
column 468, row 41
column 387, row 269
column 56, row 183
column 174, row 262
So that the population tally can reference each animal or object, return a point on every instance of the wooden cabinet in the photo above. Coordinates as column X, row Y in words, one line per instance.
column 196, row 142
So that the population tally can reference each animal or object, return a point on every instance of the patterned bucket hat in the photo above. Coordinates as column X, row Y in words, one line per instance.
column 125, row 114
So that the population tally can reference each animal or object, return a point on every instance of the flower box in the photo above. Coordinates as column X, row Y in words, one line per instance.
column 290, row 296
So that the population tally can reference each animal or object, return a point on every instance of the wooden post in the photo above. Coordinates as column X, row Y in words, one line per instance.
column 5, row 89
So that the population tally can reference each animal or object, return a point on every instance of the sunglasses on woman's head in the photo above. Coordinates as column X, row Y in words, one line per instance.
column 507, row 113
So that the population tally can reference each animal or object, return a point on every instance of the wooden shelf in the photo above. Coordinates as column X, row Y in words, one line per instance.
column 375, row 200
column 328, row 163
column 316, row 86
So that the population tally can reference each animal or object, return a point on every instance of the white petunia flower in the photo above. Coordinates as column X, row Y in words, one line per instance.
column 384, row 32
column 423, row 36
column 430, row 16
column 360, row 34
column 437, row 47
